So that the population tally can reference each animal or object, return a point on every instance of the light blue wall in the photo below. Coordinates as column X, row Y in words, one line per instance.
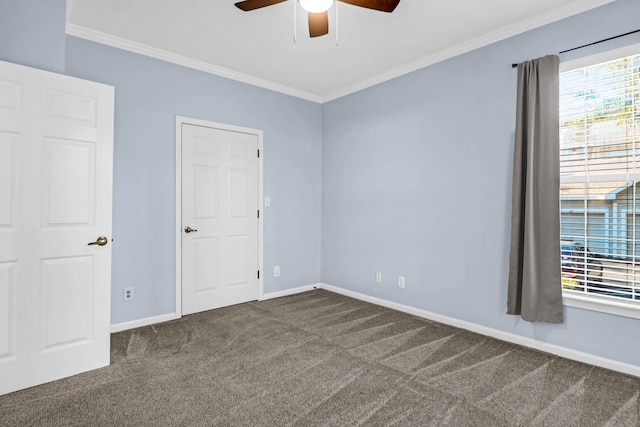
column 416, row 181
column 415, row 173
column 32, row 33
column 149, row 94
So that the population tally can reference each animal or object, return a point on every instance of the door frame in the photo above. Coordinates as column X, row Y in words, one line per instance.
column 180, row 120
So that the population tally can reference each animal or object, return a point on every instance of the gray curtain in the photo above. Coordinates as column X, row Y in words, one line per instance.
column 535, row 289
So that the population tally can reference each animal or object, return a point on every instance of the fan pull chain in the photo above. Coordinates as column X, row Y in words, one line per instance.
column 336, row 3
column 295, row 26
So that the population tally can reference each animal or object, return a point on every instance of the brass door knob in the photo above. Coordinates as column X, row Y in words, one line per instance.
column 189, row 230
column 100, row 241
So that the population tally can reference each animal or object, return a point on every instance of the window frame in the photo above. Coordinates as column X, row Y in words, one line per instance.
column 596, row 302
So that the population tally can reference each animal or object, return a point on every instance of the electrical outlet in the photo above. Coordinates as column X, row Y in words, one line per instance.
column 128, row 294
column 401, row 282
column 378, row 277
column 276, row 271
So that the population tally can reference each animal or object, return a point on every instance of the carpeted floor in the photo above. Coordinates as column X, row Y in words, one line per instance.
column 320, row 358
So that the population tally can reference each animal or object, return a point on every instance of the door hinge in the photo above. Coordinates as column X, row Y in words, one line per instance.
column 258, row 213
column 258, row 153
column 258, row 274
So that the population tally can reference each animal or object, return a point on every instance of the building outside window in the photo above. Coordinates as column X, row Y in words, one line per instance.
column 599, row 181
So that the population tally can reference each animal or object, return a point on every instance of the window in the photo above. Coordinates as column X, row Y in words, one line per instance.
column 600, row 182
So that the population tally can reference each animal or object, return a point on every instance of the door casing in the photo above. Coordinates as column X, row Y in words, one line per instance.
column 180, row 120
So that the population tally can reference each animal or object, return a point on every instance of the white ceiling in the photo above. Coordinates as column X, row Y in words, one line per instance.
column 257, row 47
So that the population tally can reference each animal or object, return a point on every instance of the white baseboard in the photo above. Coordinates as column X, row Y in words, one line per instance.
column 119, row 327
column 123, row 326
column 494, row 333
column 473, row 327
column 287, row 292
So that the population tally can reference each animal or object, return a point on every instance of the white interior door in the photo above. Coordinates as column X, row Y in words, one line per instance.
column 219, row 218
column 56, row 142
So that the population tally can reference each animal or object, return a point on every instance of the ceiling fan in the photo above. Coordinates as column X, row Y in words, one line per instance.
column 317, row 10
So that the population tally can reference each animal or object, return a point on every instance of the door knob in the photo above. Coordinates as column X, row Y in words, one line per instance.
column 189, row 230
column 100, row 241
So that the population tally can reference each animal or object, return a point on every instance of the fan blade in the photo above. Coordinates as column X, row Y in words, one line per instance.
column 381, row 5
column 318, row 24
column 249, row 5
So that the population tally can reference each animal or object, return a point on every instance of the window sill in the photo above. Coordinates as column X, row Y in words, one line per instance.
column 601, row 304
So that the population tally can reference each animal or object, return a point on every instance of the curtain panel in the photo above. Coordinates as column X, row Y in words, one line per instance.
column 534, row 288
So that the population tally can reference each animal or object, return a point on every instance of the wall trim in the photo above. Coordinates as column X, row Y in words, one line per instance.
column 123, row 326
column 557, row 350
column 504, row 33
column 601, row 304
column 288, row 292
column 570, row 9
column 147, row 321
column 174, row 58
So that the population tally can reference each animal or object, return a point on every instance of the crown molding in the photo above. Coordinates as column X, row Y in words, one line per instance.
column 534, row 22
column 174, row 58
column 531, row 23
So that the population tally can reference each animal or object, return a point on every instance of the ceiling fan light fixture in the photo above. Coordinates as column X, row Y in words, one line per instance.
column 316, row 6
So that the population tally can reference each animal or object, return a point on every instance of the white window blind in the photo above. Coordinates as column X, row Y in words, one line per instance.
column 599, row 180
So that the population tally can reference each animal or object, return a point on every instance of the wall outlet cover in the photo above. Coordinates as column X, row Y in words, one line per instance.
column 401, row 282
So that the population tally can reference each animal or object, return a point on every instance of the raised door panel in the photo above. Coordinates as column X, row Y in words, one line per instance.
column 68, row 110
column 206, row 265
column 203, row 145
column 238, row 194
column 8, row 180
column 206, row 191
column 238, row 250
column 7, row 310
column 10, row 96
column 72, row 108
column 69, row 184
column 66, row 301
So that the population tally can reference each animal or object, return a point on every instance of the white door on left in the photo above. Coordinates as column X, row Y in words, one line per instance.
column 56, row 160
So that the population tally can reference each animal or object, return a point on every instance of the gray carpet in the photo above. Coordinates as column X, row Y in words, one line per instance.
column 320, row 358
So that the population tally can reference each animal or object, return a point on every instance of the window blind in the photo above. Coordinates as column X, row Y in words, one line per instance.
column 599, row 179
